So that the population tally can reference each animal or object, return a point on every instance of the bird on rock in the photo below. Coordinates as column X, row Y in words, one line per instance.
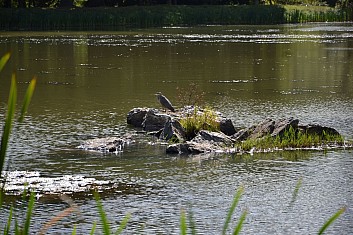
column 165, row 102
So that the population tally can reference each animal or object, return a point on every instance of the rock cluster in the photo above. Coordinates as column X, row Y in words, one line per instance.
column 166, row 127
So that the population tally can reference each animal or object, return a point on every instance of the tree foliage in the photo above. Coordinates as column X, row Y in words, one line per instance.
column 124, row 3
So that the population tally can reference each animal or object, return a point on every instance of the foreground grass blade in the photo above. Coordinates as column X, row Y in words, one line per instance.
column 4, row 60
column 331, row 220
column 183, row 225
column 7, row 227
column 93, row 228
column 29, row 213
column 74, row 231
column 192, row 224
column 296, row 190
column 240, row 223
column 232, row 208
column 103, row 216
column 8, row 122
column 27, row 99
column 123, row 224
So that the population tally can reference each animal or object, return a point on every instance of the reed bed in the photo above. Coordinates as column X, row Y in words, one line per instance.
column 303, row 14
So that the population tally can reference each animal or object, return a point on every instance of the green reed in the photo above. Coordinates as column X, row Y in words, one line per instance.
column 192, row 225
column 331, row 220
column 105, row 221
column 11, row 108
column 184, row 222
column 304, row 14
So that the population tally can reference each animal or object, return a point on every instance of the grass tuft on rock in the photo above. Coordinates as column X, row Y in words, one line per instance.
column 292, row 138
column 205, row 120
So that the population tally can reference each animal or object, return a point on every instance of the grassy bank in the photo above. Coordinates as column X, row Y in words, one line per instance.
column 159, row 16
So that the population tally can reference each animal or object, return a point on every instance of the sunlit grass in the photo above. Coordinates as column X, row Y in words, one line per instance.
column 205, row 120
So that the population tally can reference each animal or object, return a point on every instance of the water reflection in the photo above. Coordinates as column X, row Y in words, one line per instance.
column 87, row 82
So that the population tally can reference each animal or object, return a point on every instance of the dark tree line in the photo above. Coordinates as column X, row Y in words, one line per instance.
column 113, row 3
column 124, row 3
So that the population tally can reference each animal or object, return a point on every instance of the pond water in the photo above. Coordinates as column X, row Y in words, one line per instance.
column 88, row 81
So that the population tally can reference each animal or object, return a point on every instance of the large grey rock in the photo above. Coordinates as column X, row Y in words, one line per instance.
column 191, row 147
column 172, row 131
column 318, row 130
column 263, row 129
column 226, row 127
column 284, row 125
column 214, row 137
column 243, row 134
column 136, row 116
column 154, row 121
column 273, row 127
column 204, row 142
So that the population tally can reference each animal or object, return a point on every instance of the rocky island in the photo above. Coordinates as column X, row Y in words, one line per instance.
column 217, row 133
column 194, row 130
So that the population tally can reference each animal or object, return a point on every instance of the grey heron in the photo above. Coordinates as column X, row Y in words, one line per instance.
column 164, row 101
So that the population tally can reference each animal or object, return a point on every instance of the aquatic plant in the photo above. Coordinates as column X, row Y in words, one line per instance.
column 303, row 14
column 331, row 220
column 204, row 120
column 291, row 138
column 236, row 199
column 237, row 229
column 104, row 220
column 18, row 229
column 185, row 223
column 11, row 108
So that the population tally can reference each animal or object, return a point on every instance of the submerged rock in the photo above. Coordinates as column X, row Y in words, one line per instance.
column 108, row 144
